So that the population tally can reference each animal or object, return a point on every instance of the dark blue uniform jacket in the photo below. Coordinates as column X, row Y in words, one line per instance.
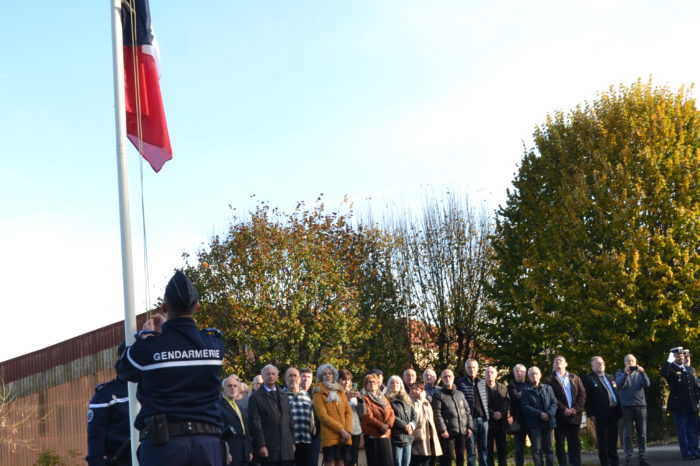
column 177, row 373
column 683, row 387
column 108, row 422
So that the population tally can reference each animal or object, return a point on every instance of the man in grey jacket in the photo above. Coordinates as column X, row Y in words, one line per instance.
column 631, row 382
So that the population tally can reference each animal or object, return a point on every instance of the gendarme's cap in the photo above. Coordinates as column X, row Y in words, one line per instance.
column 677, row 350
column 180, row 291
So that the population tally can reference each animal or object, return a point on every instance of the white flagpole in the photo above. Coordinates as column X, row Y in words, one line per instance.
column 124, row 214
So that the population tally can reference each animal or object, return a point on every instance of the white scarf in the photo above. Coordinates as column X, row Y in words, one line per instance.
column 332, row 392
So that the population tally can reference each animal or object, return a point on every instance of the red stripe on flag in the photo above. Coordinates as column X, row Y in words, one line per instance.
column 154, row 129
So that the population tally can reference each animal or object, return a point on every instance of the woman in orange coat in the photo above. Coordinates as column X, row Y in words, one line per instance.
column 376, row 424
column 334, row 414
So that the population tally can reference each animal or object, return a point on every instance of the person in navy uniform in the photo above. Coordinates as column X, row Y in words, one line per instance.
column 177, row 369
column 604, row 409
column 108, row 424
column 683, row 401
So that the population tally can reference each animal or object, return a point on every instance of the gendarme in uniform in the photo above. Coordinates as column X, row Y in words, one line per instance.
column 108, row 424
column 177, row 371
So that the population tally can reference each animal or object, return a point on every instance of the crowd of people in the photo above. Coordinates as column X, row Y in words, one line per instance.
column 186, row 411
column 443, row 421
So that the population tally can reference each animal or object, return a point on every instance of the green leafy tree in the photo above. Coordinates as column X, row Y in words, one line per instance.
column 598, row 243
column 293, row 289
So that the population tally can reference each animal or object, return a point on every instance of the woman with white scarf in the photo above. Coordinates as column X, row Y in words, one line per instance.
column 426, row 444
column 334, row 414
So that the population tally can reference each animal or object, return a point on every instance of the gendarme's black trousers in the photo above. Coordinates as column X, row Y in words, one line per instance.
column 183, row 450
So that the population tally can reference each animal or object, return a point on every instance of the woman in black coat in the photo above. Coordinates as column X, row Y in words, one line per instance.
column 404, row 420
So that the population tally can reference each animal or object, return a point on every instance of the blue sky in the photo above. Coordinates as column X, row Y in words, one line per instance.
column 378, row 100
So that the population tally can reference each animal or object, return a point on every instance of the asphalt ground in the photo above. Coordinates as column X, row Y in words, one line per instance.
column 657, row 455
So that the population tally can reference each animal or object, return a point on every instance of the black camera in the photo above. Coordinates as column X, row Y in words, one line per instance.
column 228, row 433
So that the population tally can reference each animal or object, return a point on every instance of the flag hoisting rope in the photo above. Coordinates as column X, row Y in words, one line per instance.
column 138, row 115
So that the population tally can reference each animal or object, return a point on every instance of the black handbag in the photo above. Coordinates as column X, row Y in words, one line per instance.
column 513, row 427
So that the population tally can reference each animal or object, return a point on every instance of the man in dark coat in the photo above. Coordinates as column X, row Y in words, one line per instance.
column 539, row 407
column 270, row 422
column 515, row 393
column 603, row 408
column 683, row 401
column 499, row 404
column 235, row 432
column 453, row 420
column 474, row 390
column 571, row 400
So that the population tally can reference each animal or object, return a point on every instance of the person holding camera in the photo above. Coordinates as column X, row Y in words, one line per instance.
column 631, row 382
column 239, row 442
column 683, row 402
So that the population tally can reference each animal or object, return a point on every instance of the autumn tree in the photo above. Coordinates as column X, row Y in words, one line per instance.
column 381, row 305
column 295, row 289
column 442, row 264
column 598, row 242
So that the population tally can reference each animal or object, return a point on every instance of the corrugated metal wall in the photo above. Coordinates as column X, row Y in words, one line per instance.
column 55, row 384
column 64, row 427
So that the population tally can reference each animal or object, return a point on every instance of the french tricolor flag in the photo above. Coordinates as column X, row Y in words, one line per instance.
column 143, row 97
